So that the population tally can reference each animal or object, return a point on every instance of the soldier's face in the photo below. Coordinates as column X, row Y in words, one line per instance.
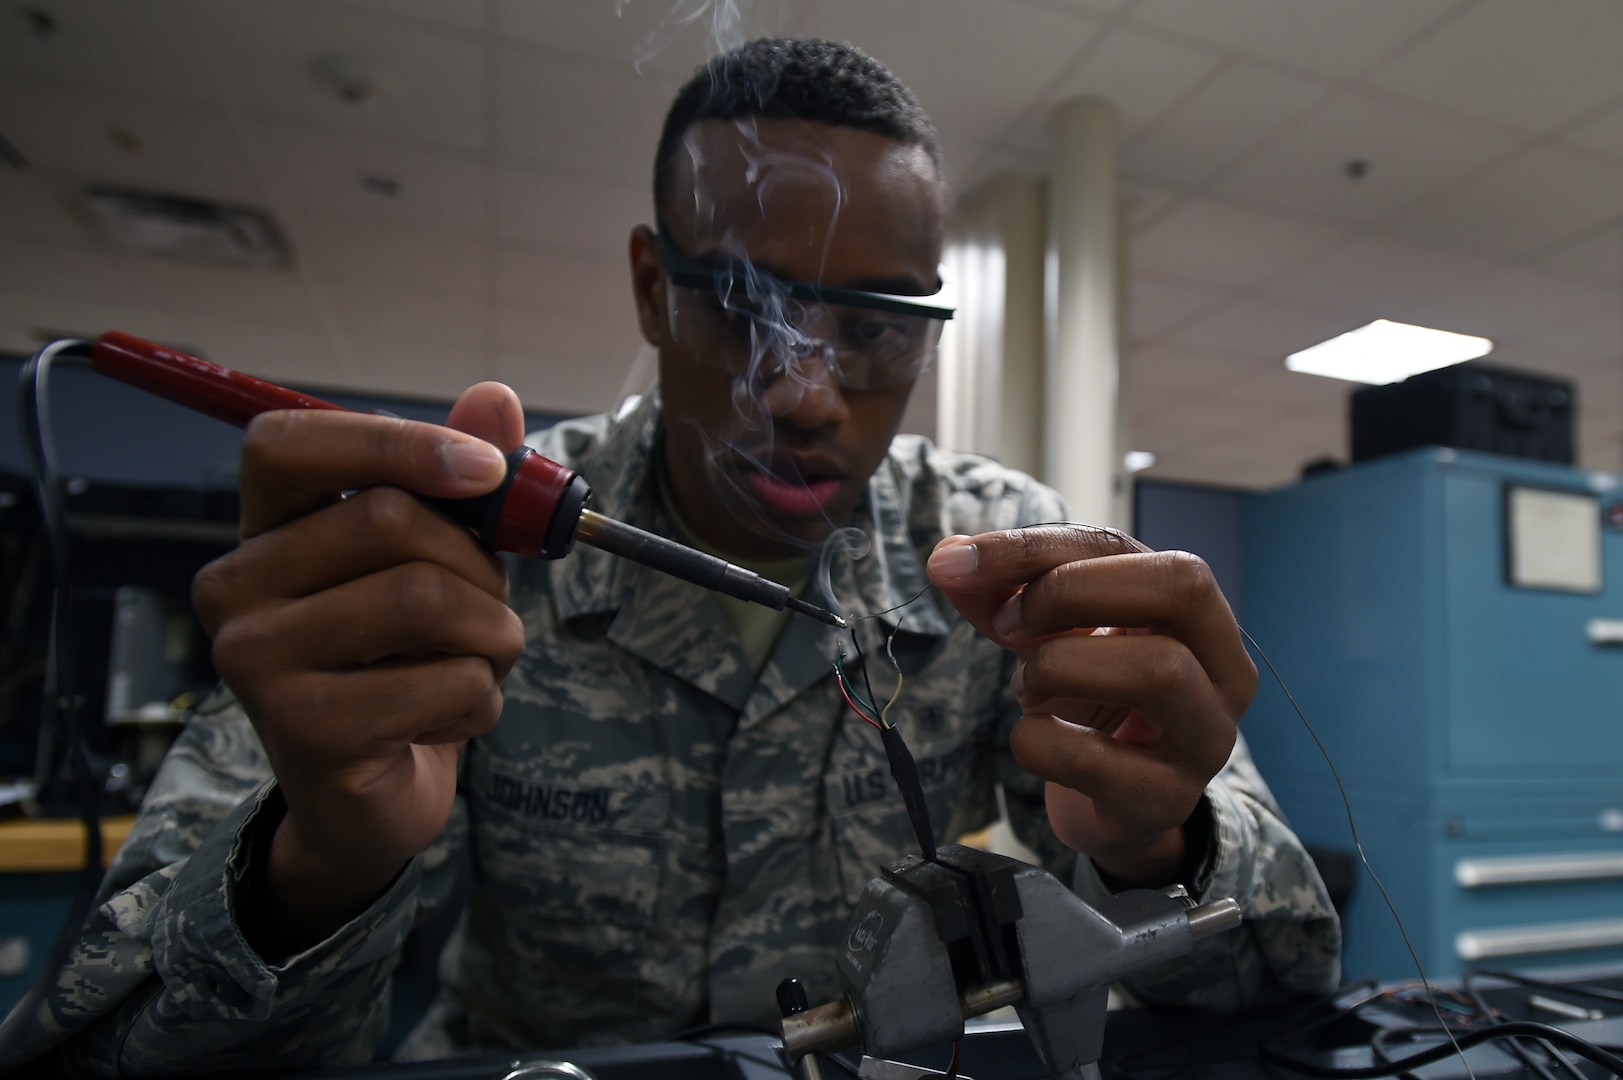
column 765, row 450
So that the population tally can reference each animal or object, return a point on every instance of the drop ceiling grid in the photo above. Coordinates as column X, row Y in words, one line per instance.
column 423, row 242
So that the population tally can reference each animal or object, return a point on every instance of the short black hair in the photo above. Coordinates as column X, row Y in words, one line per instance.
column 828, row 82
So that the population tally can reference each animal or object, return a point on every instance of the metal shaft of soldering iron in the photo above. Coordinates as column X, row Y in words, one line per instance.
column 630, row 542
column 538, row 511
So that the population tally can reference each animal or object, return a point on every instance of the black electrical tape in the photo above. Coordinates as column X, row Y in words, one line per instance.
column 906, row 774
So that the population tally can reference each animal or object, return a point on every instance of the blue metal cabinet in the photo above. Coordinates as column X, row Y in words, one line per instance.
column 1477, row 727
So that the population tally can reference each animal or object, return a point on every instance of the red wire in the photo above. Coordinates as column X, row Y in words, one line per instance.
column 846, row 694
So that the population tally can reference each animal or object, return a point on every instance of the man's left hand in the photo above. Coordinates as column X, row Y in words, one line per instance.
column 1132, row 678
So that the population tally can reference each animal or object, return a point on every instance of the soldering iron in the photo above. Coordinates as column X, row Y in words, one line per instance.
column 539, row 510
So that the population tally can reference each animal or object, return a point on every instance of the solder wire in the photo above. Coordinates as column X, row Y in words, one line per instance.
column 1359, row 845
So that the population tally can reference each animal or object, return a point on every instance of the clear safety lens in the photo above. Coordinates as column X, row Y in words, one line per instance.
column 769, row 335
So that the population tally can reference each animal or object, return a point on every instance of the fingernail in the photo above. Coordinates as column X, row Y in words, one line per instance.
column 1017, row 682
column 955, row 560
column 473, row 459
column 1006, row 620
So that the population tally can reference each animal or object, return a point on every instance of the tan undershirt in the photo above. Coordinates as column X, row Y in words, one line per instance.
column 754, row 625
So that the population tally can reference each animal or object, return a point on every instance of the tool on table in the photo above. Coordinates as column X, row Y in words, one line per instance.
column 539, row 510
column 932, row 943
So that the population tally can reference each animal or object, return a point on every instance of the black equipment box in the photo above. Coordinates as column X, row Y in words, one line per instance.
column 1468, row 406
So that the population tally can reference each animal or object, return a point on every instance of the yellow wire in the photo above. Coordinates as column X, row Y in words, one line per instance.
column 884, row 717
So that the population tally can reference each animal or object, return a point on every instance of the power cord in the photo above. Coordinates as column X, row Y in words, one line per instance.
column 61, row 723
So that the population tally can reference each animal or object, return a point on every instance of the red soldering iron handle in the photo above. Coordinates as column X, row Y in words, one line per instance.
column 533, row 512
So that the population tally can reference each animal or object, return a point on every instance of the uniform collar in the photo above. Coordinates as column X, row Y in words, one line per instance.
column 670, row 623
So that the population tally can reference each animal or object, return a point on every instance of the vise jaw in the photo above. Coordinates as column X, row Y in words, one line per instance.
column 931, row 943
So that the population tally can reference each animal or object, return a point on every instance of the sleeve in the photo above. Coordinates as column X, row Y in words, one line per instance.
column 1289, row 944
column 161, row 979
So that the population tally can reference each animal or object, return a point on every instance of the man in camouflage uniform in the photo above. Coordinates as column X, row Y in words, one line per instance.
column 676, row 809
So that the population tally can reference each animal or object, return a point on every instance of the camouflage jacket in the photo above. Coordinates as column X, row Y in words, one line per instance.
column 657, row 836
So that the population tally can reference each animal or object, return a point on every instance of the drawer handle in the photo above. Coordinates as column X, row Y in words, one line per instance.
column 1605, row 631
column 1499, row 942
column 1533, row 869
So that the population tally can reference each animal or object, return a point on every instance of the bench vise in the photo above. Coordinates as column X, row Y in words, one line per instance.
column 932, row 943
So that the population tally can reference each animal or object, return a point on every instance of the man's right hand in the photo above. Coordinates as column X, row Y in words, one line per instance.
column 366, row 638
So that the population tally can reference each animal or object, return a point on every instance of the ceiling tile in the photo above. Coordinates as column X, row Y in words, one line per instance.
column 1604, row 134
column 568, row 215
column 1267, row 329
column 1156, row 303
column 1017, row 51
column 1164, row 371
column 584, row 372
column 1142, row 74
column 465, row 15
column 83, row 271
column 435, row 82
column 1597, row 255
column 1328, row 36
column 1219, row 124
column 1544, row 197
column 1380, row 276
column 1534, row 66
column 539, row 116
column 431, row 317
column 32, row 208
column 1147, row 201
column 285, row 349
column 143, row 49
column 341, row 251
column 563, row 282
column 1091, row 7
column 1514, row 300
column 672, row 37
column 605, row 333
column 1406, row 154
column 1213, row 242
column 321, row 172
column 118, row 278
column 183, row 149
column 1598, row 337
column 436, row 368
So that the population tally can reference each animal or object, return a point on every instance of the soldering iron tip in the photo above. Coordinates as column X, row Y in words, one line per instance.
column 795, row 603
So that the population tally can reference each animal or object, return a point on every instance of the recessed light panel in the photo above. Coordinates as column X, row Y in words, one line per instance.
column 1387, row 352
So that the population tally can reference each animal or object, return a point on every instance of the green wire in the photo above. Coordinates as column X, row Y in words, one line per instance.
column 839, row 670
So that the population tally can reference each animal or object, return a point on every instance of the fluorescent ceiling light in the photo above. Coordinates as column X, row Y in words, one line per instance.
column 1387, row 352
column 1138, row 460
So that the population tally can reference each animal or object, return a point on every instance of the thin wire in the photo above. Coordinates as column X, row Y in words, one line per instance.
column 867, row 682
column 1359, row 844
column 61, row 709
column 1516, row 1048
column 884, row 717
column 845, row 682
column 846, row 693
column 874, row 615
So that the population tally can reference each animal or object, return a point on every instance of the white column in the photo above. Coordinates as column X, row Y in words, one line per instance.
column 991, row 365
column 1082, row 453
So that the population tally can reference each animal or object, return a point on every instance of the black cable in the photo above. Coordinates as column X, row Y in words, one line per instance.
column 1515, row 1047
column 903, row 769
column 1378, row 1047
column 1600, row 993
column 1514, row 1029
column 61, row 698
